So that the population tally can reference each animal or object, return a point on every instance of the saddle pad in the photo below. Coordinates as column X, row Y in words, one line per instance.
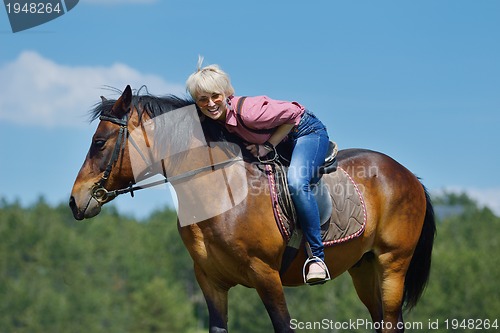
column 348, row 218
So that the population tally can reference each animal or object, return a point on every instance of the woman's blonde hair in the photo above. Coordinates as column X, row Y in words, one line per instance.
column 209, row 79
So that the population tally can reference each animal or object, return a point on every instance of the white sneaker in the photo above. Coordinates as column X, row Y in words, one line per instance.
column 316, row 273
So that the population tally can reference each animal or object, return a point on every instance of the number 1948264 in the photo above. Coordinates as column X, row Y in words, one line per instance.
column 33, row 8
column 471, row 324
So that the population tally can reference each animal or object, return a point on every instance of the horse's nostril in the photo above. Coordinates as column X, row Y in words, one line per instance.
column 76, row 214
column 72, row 203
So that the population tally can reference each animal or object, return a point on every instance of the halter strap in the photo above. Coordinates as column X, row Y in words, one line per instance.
column 122, row 122
column 122, row 138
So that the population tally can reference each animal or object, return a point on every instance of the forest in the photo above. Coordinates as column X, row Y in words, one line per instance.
column 116, row 274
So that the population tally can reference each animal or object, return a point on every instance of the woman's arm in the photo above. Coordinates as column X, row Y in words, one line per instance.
column 279, row 134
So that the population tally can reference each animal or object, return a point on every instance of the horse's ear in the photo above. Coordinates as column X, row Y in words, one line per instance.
column 127, row 95
column 103, row 99
column 122, row 105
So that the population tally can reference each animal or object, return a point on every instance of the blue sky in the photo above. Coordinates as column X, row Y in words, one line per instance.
column 417, row 80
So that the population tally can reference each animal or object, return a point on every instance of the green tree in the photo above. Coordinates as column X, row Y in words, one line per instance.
column 159, row 307
column 115, row 274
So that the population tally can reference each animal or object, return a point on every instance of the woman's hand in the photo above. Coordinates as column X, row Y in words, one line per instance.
column 259, row 150
column 275, row 139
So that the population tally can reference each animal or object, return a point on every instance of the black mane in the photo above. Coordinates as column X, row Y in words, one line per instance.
column 153, row 105
column 157, row 105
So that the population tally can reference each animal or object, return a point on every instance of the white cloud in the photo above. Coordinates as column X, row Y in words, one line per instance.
column 488, row 197
column 37, row 91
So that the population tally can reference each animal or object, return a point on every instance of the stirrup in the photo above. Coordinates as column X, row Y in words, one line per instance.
column 318, row 260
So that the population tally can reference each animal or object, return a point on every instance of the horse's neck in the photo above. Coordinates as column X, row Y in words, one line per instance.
column 214, row 190
column 209, row 178
column 160, row 143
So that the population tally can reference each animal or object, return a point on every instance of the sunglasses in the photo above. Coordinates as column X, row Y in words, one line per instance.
column 205, row 100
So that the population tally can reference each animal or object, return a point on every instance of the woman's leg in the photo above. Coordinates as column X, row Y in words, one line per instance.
column 308, row 155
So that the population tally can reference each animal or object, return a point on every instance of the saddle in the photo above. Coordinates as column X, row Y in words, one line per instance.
column 340, row 202
column 285, row 209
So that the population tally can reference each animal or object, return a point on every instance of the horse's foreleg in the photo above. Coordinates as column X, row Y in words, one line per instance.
column 267, row 282
column 216, row 298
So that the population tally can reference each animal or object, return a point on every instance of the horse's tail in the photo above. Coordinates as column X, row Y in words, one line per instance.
column 420, row 265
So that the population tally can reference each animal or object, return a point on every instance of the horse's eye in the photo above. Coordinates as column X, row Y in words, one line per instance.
column 99, row 143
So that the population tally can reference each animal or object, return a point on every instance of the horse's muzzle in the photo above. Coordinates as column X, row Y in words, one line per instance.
column 89, row 210
column 77, row 214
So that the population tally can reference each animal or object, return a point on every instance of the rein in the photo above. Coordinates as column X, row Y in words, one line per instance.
column 101, row 194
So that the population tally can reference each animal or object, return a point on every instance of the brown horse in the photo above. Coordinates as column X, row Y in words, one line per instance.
column 226, row 220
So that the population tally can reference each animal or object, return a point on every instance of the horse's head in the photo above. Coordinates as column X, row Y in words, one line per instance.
column 140, row 136
column 107, row 164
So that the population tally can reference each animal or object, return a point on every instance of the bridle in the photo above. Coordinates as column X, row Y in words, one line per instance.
column 99, row 191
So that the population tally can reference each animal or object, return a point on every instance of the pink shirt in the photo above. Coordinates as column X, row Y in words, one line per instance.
column 261, row 112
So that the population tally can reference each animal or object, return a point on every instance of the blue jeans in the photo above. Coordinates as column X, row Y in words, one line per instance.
column 310, row 144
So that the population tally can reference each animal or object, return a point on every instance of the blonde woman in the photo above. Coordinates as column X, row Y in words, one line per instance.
column 264, row 123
